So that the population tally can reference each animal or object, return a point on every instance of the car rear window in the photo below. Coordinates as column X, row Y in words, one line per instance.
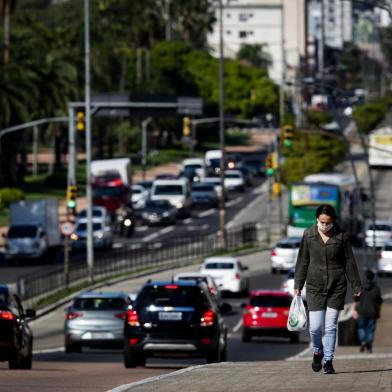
column 219, row 266
column 380, row 227
column 99, row 304
column 388, row 247
column 288, row 245
column 175, row 297
column 272, row 301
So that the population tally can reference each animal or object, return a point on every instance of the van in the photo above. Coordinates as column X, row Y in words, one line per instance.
column 212, row 160
column 176, row 192
column 197, row 165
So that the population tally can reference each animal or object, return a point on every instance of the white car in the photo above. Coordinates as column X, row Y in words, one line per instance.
column 385, row 259
column 284, row 254
column 382, row 232
column 139, row 197
column 288, row 285
column 228, row 272
column 100, row 214
column 208, row 279
column 234, row 180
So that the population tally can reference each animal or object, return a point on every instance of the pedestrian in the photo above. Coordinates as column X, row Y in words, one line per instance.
column 325, row 261
column 368, row 306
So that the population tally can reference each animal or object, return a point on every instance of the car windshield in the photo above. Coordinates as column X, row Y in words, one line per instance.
column 136, row 191
column 99, row 304
column 232, row 175
column 218, row 265
column 83, row 226
column 388, row 248
column 215, row 162
column 176, row 296
column 96, row 214
column 168, row 190
column 271, row 301
column 157, row 203
column 107, row 191
column 145, row 184
column 196, row 278
column 23, row 231
column 377, row 227
column 203, row 188
column 192, row 167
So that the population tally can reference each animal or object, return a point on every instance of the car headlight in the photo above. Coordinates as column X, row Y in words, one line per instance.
column 99, row 235
column 74, row 237
column 165, row 214
column 179, row 204
column 127, row 222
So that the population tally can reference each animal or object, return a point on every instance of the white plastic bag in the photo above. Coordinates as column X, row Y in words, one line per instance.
column 297, row 320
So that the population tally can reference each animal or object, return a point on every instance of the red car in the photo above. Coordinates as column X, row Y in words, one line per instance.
column 266, row 314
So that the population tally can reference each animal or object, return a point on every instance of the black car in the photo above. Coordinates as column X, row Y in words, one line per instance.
column 256, row 164
column 16, row 338
column 159, row 212
column 204, row 194
column 172, row 319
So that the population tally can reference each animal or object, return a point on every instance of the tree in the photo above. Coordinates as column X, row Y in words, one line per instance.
column 255, row 54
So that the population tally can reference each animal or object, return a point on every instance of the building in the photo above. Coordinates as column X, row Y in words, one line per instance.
column 279, row 24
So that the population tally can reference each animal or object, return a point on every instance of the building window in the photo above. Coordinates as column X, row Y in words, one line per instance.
column 228, row 32
column 243, row 34
column 242, row 17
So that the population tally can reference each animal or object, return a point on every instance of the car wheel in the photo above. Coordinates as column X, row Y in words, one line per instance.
column 14, row 361
column 273, row 271
column 246, row 335
column 214, row 357
column 26, row 362
column 72, row 348
column 223, row 355
column 294, row 337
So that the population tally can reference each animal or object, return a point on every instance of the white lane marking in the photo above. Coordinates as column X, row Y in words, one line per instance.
column 301, row 354
column 141, row 228
column 49, row 350
column 194, row 228
column 188, row 220
column 205, row 213
column 234, row 202
column 237, row 326
column 167, row 230
column 150, row 237
column 118, row 245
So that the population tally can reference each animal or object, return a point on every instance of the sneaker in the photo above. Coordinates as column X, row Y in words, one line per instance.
column 317, row 362
column 362, row 348
column 328, row 368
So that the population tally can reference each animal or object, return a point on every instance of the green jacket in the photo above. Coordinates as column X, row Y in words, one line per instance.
column 326, row 267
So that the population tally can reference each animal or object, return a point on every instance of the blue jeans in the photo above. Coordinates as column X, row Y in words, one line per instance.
column 323, row 321
column 366, row 329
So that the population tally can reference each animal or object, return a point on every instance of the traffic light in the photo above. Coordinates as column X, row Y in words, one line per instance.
column 71, row 197
column 287, row 136
column 269, row 165
column 80, row 122
column 186, row 126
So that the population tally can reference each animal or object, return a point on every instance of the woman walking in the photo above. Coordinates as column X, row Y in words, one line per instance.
column 325, row 261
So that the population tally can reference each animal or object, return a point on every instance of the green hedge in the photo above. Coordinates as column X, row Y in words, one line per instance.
column 8, row 195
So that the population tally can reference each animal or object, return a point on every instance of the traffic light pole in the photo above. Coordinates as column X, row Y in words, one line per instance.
column 144, row 145
column 87, row 111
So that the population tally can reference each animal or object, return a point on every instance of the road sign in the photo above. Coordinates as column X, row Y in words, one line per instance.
column 192, row 106
column 67, row 228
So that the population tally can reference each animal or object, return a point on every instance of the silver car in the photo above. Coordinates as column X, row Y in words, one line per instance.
column 378, row 234
column 284, row 254
column 95, row 320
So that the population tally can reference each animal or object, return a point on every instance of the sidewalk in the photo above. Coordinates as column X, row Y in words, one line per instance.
column 355, row 372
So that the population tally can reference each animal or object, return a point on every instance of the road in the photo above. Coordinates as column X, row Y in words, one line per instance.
column 103, row 369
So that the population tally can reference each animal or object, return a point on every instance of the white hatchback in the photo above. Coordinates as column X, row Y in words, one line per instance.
column 234, row 180
column 139, row 197
column 228, row 272
column 385, row 259
column 284, row 254
column 379, row 234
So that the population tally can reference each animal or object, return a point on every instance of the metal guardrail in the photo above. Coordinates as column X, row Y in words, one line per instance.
column 137, row 257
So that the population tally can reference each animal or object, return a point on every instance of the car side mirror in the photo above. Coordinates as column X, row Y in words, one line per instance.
column 225, row 308
column 30, row 313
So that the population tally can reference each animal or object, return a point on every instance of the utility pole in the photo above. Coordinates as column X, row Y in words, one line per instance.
column 222, row 204
column 144, row 145
column 87, row 111
column 35, row 151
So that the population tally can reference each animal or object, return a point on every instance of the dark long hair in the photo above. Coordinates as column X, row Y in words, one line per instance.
column 326, row 209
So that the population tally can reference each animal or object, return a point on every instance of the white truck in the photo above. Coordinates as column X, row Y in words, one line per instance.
column 380, row 147
column 34, row 229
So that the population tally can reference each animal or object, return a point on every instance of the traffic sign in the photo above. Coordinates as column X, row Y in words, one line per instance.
column 67, row 228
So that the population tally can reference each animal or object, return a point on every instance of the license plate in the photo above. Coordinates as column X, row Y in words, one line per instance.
column 174, row 316
column 269, row 315
column 98, row 335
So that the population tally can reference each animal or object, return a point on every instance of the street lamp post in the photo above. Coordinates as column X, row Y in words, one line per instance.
column 222, row 206
column 87, row 109
column 144, row 145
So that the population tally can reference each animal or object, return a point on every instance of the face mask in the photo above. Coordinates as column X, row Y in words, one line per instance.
column 324, row 228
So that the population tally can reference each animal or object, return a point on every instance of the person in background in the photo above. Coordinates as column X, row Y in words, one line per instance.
column 368, row 307
column 325, row 261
